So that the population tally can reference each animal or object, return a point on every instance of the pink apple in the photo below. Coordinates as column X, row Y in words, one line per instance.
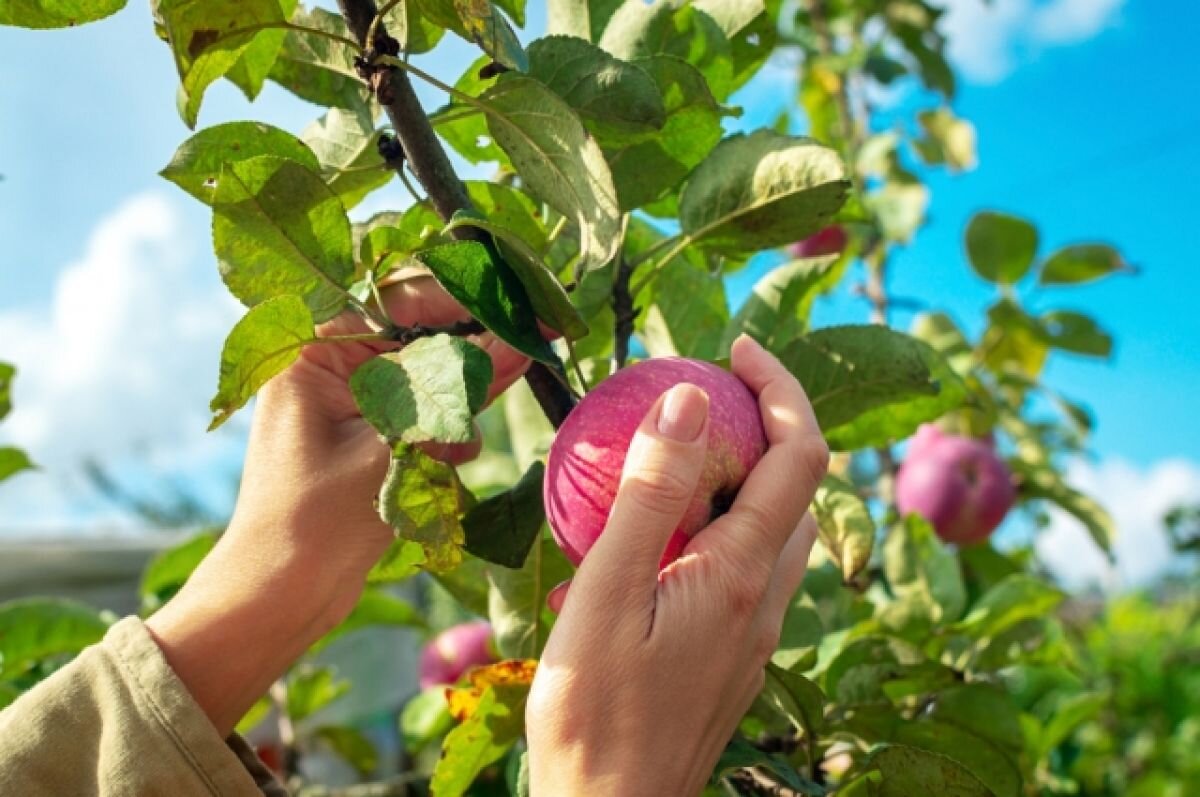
column 829, row 241
column 454, row 651
column 958, row 484
column 586, row 458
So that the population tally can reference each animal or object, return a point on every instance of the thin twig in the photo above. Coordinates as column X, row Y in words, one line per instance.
column 624, row 313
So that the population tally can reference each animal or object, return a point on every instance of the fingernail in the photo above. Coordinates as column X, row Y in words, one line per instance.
column 745, row 340
column 683, row 413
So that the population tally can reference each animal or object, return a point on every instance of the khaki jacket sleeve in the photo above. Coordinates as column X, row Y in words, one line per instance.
column 117, row 721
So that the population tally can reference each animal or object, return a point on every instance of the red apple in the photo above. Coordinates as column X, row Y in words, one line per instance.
column 586, row 458
column 829, row 241
column 454, row 651
column 958, row 484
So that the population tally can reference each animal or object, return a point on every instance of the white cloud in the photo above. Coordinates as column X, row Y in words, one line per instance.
column 118, row 366
column 1137, row 499
column 988, row 40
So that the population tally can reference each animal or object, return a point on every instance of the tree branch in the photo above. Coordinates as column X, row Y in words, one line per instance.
column 624, row 312
column 433, row 169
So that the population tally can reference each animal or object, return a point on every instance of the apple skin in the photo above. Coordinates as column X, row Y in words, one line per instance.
column 829, row 241
column 584, row 466
column 958, row 484
column 454, row 651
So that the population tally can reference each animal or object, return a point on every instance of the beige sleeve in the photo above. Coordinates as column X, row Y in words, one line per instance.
column 117, row 721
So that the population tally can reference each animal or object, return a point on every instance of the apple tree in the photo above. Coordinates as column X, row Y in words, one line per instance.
column 909, row 665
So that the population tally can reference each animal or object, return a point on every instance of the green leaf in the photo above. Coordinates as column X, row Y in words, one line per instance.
column 425, row 717
column 483, row 24
column 752, row 31
column 33, row 629
column 374, row 608
column 317, row 68
column 1069, row 713
column 351, row 745
column 7, row 374
column 909, row 771
column 167, row 571
column 278, row 229
column 617, row 101
column 251, row 70
column 990, row 765
column 56, row 13
column 984, row 710
column 1016, row 598
column 1014, row 341
column 464, row 126
column 638, row 29
column 491, row 292
column 799, row 638
column 644, row 171
column 558, row 161
column 948, row 140
column 844, row 525
column 197, row 164
column 759, row 191
column 14, row 461
column 387, row 239
column 1046, row 484
column 777, row 309
column 428, row 391
column 402, row 560
column 312, row 690
column 496, row 724
column 797, row 698
column 550, row 301
column 1076, row 332
column 739, row 754
column 585, row 19
column 262, row 345
column 860, row 671
column 207, row 38
column 415, row 32
column 423, row 501
column 517, row 599
column 503, row 528
column 1000, row 247
column 685, row 310
column 347, row 145
column 8, row 695
column 870, row 385
column 1081, row 263
column 921, row 570
column 468, row 584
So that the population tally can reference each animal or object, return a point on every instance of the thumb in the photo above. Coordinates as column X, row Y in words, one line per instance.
column 660, row 475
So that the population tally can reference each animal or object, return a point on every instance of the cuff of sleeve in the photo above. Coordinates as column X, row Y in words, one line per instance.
column 225, row 766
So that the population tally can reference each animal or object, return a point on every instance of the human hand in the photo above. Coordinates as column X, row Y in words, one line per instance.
column 647, row 674
column 304, row 532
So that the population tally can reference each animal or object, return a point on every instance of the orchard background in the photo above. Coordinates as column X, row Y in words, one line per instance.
column 637, row 178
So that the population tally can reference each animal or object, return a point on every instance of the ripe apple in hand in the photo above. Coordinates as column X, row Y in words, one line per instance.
column 454, row 651
column 829, row 241
column 586, row 458
column 958, row 484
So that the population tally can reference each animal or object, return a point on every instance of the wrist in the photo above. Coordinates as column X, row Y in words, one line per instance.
column 244, row 617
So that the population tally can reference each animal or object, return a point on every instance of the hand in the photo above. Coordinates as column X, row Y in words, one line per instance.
column 304, row 533
column 647, row 674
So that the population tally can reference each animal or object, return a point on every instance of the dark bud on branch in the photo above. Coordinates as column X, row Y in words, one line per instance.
column 491, row 70
column 391, row 150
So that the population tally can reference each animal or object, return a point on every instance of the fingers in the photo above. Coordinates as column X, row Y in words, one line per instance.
column 557, row 596
column 789, row 572
column 781, row 486
column 661, row 472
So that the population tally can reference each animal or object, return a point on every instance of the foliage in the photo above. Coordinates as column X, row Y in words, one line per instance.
column 906, row 667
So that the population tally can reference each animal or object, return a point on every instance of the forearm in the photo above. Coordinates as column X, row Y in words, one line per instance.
column 244, row 617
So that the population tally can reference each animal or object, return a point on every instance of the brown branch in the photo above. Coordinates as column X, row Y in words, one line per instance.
column 406, row 335
column 433, row 169
column 624, row 312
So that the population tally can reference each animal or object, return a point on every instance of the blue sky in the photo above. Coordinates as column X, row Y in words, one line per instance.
column 1084, row 125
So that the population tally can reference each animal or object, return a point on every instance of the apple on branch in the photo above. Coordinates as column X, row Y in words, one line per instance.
column 454, row 651
column 959, row 484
